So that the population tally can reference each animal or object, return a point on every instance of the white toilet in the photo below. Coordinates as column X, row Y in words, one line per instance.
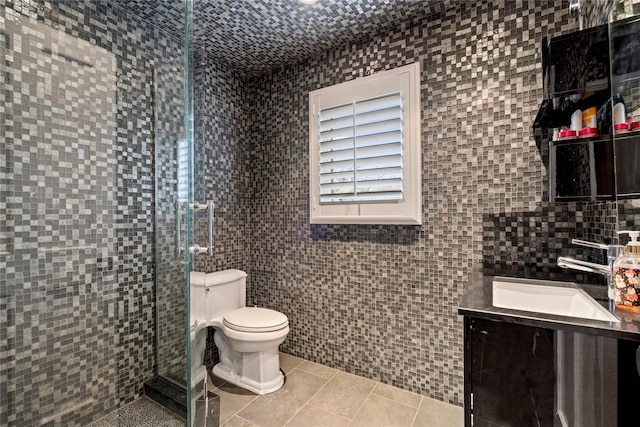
column 247, row 338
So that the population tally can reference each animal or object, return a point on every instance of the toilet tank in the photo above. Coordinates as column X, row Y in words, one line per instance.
column 227, row 292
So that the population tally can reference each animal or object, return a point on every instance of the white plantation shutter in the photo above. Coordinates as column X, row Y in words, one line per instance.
column 360, row 150
column 364, row 139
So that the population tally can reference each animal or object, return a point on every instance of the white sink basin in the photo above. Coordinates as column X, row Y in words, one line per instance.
column 561, row 299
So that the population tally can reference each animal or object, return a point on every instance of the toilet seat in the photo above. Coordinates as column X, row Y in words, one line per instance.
column 255, row 319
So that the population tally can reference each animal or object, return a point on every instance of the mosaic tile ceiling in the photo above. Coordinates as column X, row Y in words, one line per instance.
column 254, row 36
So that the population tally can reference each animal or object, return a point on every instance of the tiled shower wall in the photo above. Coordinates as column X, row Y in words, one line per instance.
column 221, row 163
column 380, row 301
column 77, row 319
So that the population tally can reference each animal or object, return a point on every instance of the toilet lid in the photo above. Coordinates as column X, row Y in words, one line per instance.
column 254, row 319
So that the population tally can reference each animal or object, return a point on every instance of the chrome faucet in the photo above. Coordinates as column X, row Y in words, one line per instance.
column 592, row 267
column 574, row 6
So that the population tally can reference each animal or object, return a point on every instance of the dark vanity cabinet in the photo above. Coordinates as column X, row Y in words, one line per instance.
column 509, row 377
column 520, row 375
column 593, row 68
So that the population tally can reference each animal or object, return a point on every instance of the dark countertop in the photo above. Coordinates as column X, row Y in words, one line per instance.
column 477, row 302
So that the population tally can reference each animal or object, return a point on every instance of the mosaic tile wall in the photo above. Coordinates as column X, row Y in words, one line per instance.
column 628, row 217
column 380, row 301
column 527, row 244
column 221, row 163
column 170, row 291
column 625, row 8
column 253, row 37
column 78, row 172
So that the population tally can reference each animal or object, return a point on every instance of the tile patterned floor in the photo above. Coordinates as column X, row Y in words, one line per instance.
column 313, row 396
column 144, row 412
column 318, row 396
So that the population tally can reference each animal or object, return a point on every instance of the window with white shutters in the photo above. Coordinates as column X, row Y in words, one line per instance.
column 365, row 150
column 361, row 150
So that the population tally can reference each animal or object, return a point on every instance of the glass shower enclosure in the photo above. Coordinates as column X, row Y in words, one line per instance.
column 96, row 209
column 184, row 230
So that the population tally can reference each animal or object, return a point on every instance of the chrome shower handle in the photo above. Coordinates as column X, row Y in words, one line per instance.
column 195, row 249
column 177, row 232
column 210, row 224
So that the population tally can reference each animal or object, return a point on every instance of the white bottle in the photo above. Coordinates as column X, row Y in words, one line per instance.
column 576, row 120
column 626, row 275
column 619, row 110
column 576, row 116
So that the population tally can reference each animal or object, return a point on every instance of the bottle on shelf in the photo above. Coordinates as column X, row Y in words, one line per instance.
column 626, row 275
column 619, row 110
column 589, row 118
column 576, row 113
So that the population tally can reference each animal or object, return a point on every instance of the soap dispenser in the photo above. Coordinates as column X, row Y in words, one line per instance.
column 626, row 275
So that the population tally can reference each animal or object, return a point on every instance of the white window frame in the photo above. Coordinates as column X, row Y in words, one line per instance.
column 406, row 81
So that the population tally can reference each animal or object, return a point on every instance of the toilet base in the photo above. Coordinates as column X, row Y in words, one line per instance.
column 225, row 373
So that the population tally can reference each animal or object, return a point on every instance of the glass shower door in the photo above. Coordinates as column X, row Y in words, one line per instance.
column 172, row 183
column 176, row 213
